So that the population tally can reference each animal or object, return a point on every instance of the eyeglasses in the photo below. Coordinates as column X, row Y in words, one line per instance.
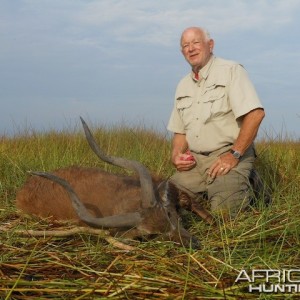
column 195, row 44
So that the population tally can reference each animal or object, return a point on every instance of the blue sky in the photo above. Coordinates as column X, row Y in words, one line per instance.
column 114, row 61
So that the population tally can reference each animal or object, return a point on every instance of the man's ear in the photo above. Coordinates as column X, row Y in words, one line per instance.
column 211, row 43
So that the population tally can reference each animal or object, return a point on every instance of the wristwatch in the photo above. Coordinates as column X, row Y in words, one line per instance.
column 236, row 154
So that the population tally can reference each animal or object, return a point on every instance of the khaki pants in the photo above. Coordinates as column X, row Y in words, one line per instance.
column 229, row 192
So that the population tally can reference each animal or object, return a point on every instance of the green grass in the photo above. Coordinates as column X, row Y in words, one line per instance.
column 85, row 266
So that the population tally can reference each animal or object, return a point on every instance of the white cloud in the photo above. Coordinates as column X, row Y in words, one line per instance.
column 85, row 49
column 161, row 22
column 98, row 23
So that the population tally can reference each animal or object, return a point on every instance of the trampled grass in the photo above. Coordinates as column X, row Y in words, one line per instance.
column 85, row 266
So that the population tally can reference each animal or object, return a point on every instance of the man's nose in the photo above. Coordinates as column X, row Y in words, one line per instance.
column 191, row 47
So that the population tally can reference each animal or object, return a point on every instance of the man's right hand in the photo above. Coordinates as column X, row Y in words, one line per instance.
column 184, row 161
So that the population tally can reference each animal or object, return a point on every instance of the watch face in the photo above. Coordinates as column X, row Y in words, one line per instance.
column 235, row 154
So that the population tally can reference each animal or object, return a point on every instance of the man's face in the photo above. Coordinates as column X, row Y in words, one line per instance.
column 196, row 48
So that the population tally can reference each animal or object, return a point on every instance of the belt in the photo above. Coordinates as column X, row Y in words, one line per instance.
column 207, row 153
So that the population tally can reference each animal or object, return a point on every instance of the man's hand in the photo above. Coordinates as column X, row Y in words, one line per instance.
column 249, row 126
column 184, row 161
column 222, row 165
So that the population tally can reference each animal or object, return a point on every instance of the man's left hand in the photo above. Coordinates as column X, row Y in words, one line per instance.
column 222, row 165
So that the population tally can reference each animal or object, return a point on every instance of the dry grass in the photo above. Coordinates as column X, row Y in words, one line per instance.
column 87, row 266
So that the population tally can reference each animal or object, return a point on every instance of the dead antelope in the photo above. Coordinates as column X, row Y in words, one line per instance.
column 123, row 204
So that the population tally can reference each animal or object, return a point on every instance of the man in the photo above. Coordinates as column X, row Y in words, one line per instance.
column 215, row 120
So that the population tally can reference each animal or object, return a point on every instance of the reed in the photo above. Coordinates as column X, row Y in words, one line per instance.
column 85, row 266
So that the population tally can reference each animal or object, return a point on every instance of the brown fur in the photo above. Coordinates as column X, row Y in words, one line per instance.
column 101, row 199
column 104, row 194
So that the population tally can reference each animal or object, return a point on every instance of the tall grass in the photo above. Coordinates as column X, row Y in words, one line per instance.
column 84, row 266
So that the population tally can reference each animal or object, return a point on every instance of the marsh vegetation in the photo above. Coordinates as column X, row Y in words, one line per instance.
column 86, row 266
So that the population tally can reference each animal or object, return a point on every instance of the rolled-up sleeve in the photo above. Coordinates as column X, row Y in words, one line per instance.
column 242, row 94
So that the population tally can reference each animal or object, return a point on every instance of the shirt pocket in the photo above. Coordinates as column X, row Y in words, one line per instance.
column 183, row 106
column 215, row 102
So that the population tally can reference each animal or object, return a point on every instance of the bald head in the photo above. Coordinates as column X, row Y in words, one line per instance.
column 196, row 47
column 202, row 31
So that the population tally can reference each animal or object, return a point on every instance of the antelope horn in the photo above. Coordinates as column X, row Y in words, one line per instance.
column 126, row 220
column 148, row 196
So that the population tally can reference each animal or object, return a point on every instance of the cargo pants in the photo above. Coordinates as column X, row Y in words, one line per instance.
column 227, row 193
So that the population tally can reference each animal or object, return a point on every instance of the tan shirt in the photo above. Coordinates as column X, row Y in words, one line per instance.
column 207, row 110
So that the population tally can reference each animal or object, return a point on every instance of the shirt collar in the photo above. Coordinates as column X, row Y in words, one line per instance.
column 205, row 70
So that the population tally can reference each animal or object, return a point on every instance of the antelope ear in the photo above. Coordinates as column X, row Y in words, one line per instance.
column 126, row 220
column 168, row 192
column 161, row 190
